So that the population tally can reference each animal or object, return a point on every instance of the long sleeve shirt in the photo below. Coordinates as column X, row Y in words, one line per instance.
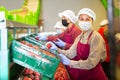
column 102, row 31
column 97, row 51
column 73, row 32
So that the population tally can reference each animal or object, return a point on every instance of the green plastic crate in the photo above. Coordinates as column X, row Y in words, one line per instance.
column 31, row 38
column 45, row 78
column 46, row 65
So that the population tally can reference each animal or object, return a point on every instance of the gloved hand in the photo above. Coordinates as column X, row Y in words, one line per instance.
column 37, row 37
column 51, row 46
column 64, row 59
column 41, row 37
column 60, row 43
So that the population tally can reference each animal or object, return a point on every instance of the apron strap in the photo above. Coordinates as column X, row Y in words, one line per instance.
column 89, row 36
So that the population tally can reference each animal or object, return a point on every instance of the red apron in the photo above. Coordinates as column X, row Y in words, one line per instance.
column 82, row 74
column 68, row 36
column 69, row 39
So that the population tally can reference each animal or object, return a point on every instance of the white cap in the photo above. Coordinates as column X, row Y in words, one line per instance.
column 104, row 22
column 59, row 25
column 68, row 14
column 117, row 36
column 88, row 12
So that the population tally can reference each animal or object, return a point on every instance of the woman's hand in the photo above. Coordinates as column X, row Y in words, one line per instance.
column 64, row 59
column 60, row 43
column 50, row 45
column 41, row 37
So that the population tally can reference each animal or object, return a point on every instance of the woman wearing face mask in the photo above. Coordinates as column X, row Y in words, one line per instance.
column 59, row 27
column 66, row 39
column 83, row 59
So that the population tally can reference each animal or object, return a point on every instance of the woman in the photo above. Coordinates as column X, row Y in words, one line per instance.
column 59, row 27
column 83, row 59
column 103, row 30
column 65, row 39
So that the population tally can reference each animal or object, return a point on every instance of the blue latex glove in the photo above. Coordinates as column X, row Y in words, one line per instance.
column 42, row 37
column 53, row 46
column 64, row 59
column 60, row 43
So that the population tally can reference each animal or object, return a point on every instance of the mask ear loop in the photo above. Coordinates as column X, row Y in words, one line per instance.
column 89, row 36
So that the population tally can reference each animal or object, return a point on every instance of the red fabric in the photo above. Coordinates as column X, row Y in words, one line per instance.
column 101, row 31
column 52, row 38
column 68, row 36
column 82, row 74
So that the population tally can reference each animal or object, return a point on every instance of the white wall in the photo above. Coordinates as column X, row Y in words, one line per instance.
column 11, row 4
column 51, row 8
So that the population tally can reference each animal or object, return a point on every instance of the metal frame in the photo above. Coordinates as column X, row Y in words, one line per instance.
column 3, row 49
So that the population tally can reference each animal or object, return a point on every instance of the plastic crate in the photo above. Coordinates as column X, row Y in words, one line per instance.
column 31, row 38
column 42, row 63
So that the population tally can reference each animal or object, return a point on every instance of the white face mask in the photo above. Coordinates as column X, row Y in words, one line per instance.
column 85, row 25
